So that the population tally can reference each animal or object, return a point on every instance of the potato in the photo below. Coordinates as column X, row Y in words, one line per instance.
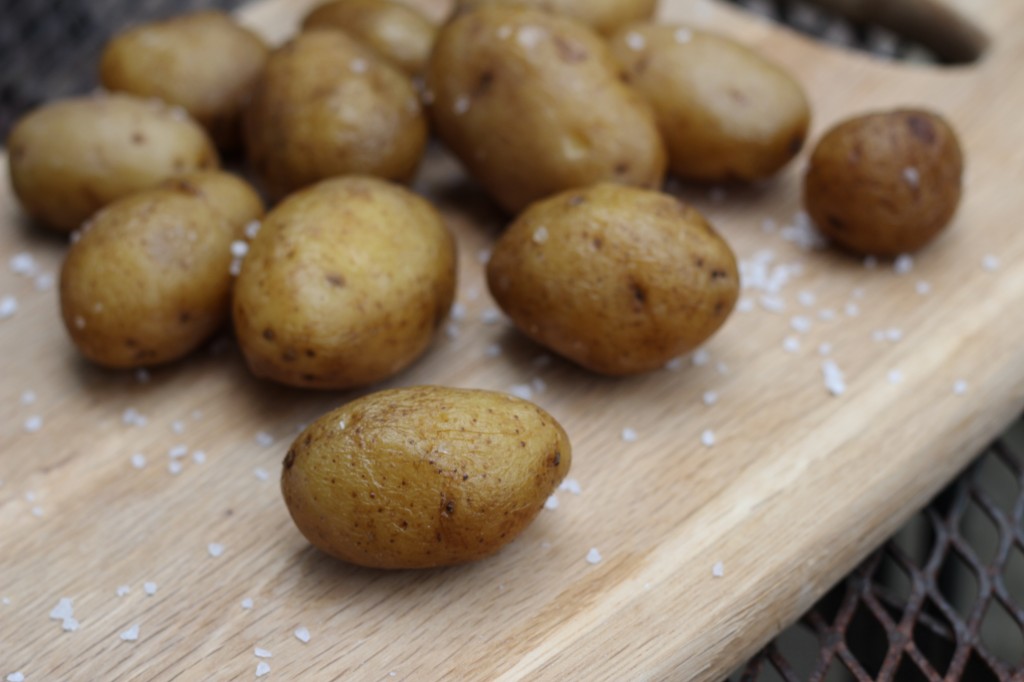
column 344, row 285
column 617, row 279
column 885, row 183
column 204, row 62
column 395, row 31
column 232, row 196
column 328, row 106
column 70, row 158
column 532, row 104
column 147, row 281
column 602, row 15
column 724, row 111
column 424, row 476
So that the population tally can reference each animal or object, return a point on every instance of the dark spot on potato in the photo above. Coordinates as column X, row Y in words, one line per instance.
column 310, row 353
column 178, row 165
column 718, row 274
column 557, row 459
column 483, row 83
column 130, row 342
column 699, row 261
column 309, row 378
column 438, row 536
column 465, row 477
column 598, row 243
column 639, row 293
column 569, row 51
column 288, row 355
column 796, row 143
column 449, row 508
column 185, row 317
column 836, row 222
column 308, row 439
column 921, row 128
column 621, row 168
column 737, row 96
column 335, row 280
column 719, row 307
column 138, row 138
column 289, row 459
column 522, row 443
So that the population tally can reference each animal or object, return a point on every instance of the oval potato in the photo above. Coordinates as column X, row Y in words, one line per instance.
column 617, row 279
column 424, row 476
column 148, row 279
column 725, row 112
column 395, row 31
column 204, row 62
column 532, row 104
column 344, row 285
column 604, row 16
column 885, row 183
column 326, row 106
column 72, row 157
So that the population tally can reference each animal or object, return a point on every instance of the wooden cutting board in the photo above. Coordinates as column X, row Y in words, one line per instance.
column 796, row 489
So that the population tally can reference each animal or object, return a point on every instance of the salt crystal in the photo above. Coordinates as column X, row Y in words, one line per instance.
column 707, row 438
column 358, row 65
column 825, row 349
column 64, row 609
column 458, row 312
column 851, row 310
column 800, row 324
column 178, row 427
column 718, row 570
column 33, row 423
column 174, row 467
column 570, row 485
column 17, row 676
column 28, row 397
column 37, row 511
column 903, row 264
column 235, row 269
column 483, row 255
column 123, row 590
column 215, row 549
column 131, row 417
column 551, row 502
column 23, row 264
column 959, row 387
column 835, row 383
column 131, row 634
column 505, row 32
column 8, row 306
column 239, row 248
column 262, row 653
column 492, row 316
column 791, row 344
column 912, row 176
column 674, row 365
column 149, row 588
column 773, row 304
column 593, row 556
column 710, row 398
column 30, row 496
column 989, row 263
column 461, row 105
column 252, row 229
column 870, row 263
column 302, row 634
column 43, row 282
column 493, row 350
column 262, row 669
column 894, row 334
column 264, row 439
column 262, row 474
column 635, row 41
column 683, row 36
column 247, row 603
column 452, row 331
column 923, row 288
column 629, row 435
column 538, row 385
column 721, row 367
column 199, row 457
column 858, row 292
column 745, row 305
column 700, row 357
column 806, row 298
column 826, row 314
column 142, row 376
column 138, row 460
column 895, row 377
column 540, row 235
column 177, row 451
column 529, row 36
column 522, row 391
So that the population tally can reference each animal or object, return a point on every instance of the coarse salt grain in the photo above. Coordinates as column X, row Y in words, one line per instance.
column 247, row 603
column 262, row 668
column 69, row 625
column 635, row 41
column 505, row 32
column 43, row 282
column 458, row 312
column 540, row 235
column 522, row 391
column 745, row 305
column 483, row 255
column 791, row 344
column 835, row 383
column 123, row 590
column 37, row 511
column 215, row 549
column 707, row 438
column 23, row 264
column 683, row 36
column 33, row 424
column 593, row 556
column 870, row 262
column 529, row 36
column 461, row 105
column 174, row 467
column 894, row 334
column 261, row 474
column 491, row 316
column 773, row 304
column 264, row 439
column 801, row 324
column 674, row 365
column 806, row 298
column 700, row 357
column 239, row 248
column 132, row 417
column 131, row 634
column 235, row 269
column 718, row 570
column 903, row 264
column 629, row 435
column 825, row 349
column 8, row 306
column 923, row 288
column 570, row 485
column 959, row 387
column 142, row 376
column 851, row 310
column 139, row 460
column 302, row 634
column 28, row 397
column 895, row 377
column 912, row 176
column 358, row 65
column 710, row 398
column 990, row 263
column 260, row 652
column 551, row 502
column 199, row 457
column 451, row 330
column 178, row 427
column 493, row 350
column 253, row 229
column 64, row 609
column 177, row 451
column 149, row 588
column 16, row 676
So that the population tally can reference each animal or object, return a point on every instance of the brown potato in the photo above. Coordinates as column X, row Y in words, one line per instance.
column 604, row 16
column 70, row 158
column 231, row 195
column 885, row 183
column 724, row 111
column 344, row 285
column 532, row 104
column 204, row 62
column 147, row 281
column 424, row 476
column 617, row 279
column 395, row 31
column 328, row 106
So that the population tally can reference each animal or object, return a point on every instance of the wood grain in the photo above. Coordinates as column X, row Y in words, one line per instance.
column 797, row 488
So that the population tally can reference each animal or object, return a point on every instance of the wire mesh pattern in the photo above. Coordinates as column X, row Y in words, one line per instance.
column 942, row 600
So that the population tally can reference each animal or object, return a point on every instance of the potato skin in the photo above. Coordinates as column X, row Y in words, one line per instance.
column 725, row 112
column 604, row 16
column 204, row 62
column 148, row 280
column 344, row 285
column 424, row 476
column 72, row 157
column 229, row 194
column 617, row 279
column 396, row 32
column 327, row 106
column 885, row 183
column 532, row 105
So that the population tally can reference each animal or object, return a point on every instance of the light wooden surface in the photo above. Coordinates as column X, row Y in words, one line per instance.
column 797, row 488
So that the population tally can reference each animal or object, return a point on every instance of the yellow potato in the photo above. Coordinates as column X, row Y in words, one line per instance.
column 328, row 106
column 424, row 476
column 344, row 285
column 601, row 15
column 885, row 183
column 147, row 281
column 204, row 62
column 532, row 104
column 617, row 279
column 395, row 31
column 72, row 157
column 231, row 195
column 726, row 113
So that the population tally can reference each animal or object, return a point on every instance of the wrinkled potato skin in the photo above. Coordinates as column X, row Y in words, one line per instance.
column 397, row 32
column 313, row 117
column 540, row 119
column 70, row 158
column 229, row 194
column 344, row 285
column 856, row 191
column 204, row 62
column 424, row 476
column 724, row 111
column 604, row 16
column 148, row 280
column 624, row 281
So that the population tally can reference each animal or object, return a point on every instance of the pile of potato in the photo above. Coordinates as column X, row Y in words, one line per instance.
column 567, row 113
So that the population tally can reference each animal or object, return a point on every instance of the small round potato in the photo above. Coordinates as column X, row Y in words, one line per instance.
column 344, row 285
column 395, row 31
column 70, row 158
column 232, row 196
column 604, row 16
column 725, row 112
column 147, row 281
column 617, row 279
column 328, row 106
column 885, row 183
column 424, row 476
column 204, row 62
column 532, row 104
